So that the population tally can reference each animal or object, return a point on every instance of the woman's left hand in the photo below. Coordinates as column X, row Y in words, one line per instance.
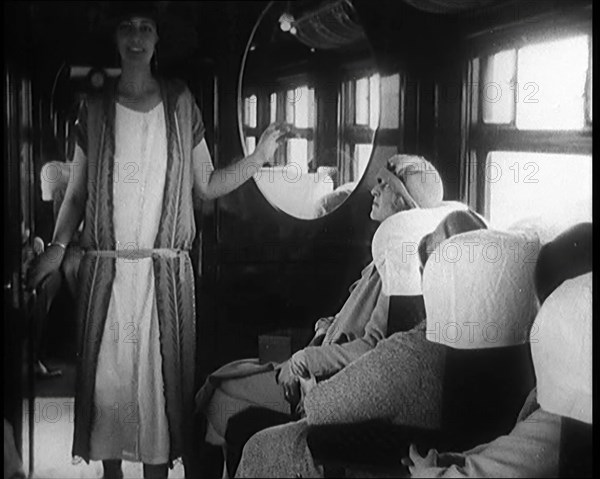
column 270, row 140
column 415, row 461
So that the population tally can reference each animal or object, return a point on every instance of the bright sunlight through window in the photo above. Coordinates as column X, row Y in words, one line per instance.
column 551, row 80
column 552, row 189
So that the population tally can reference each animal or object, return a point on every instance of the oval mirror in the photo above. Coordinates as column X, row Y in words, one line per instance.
column 309, row 63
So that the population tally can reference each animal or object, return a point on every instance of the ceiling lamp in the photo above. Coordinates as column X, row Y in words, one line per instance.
column 332, row 25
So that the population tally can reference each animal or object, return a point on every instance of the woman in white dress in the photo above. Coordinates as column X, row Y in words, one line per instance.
column 140, row 155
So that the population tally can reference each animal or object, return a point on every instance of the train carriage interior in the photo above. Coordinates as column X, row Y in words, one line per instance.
column 491, row 98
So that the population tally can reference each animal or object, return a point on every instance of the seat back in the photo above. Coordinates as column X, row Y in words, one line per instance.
column 576, row 455
column 395, row 250
column 405, row 313
column 484, row 390
column 482, row 316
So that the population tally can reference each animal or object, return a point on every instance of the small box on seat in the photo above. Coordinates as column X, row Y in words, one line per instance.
column 274, row 348
column 279, row 346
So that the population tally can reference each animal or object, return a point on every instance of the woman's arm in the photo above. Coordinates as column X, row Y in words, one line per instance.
column 211, row 183
column 71, row 211
column 69, row 218
column 531, row 449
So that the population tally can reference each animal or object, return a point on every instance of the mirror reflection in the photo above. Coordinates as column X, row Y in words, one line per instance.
column 310, row 64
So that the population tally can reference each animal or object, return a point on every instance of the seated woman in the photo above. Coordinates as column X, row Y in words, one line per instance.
column 398, row 262
column 409, row 182
column 399, row 382
column 532, row 447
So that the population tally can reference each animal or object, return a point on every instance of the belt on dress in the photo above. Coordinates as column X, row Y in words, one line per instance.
column 139, row 253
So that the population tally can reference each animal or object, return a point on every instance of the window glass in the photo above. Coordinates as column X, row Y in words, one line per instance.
column 301, row 107
column 273, row 108
column 390, row 90
column 250, row 144
column 590, row 89
column 362, row 101
column 290, row 98
column 311, row 108
column 374, row 101
column 362, row 154
column 497, row 94
column 250, row 111
column 297, row 149
column 551, row 80
column 555, row 189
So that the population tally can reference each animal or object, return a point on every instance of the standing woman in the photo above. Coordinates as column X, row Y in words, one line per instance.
column 140, row 154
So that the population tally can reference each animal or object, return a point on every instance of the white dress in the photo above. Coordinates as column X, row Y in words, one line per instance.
column 130, row 419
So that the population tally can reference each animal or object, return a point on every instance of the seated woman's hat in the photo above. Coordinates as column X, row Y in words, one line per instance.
column 415, row 179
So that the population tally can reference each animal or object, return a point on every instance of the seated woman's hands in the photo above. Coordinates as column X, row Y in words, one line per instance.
column 296, row 381
column 289, row 382
column 416, row 463
column 270, row 139
column 44, row 265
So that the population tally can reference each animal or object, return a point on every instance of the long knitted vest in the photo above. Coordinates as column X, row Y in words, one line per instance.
column 174, row 279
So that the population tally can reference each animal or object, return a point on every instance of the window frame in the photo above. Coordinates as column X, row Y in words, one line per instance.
column 353, row 134
column 263, row 108
column 480, row 138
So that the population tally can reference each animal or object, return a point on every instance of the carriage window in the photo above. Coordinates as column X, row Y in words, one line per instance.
column 297, row 148
column 362, row 153
column 360, row 118
column 554, row 189
column 300, row 112
column 528, row 117
column 498, row 98
column 299, row 107
column 551, row 79
column 390, row 90
column 367, row 101
column 542, row 86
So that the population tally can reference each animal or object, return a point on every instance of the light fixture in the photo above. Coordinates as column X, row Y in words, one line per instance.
column 332, row 24
column 285, row 22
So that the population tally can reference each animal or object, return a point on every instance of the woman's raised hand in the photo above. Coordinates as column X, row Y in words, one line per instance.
column 271, row 138
column 43, row 265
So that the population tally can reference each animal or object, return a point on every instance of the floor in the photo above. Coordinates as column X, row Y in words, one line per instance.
column 53, row 433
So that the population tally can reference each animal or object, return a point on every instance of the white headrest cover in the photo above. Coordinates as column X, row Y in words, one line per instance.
column 479, row 291
column 561, row 348
column 395, row 246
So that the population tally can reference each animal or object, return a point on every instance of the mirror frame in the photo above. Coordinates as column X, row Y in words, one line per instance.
column 241, row 126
